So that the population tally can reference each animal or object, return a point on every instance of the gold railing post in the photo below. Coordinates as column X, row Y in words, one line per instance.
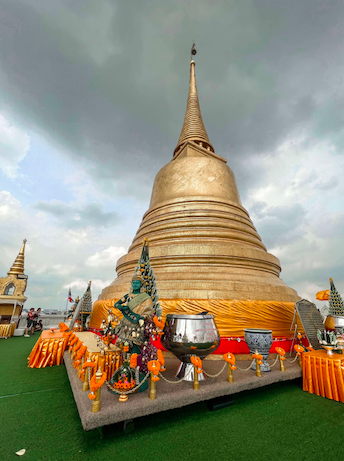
column 85, row 386
column 96, row 402
column 230, row 378
column 258, row 371
column 300, row 359
column 152, row 391
column 282, row 367
column 195, row 382
column 80, row 367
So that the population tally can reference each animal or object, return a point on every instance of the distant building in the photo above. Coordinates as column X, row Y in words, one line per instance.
column 12, row 299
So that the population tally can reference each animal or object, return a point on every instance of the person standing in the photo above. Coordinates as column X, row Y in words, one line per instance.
column 29, row 322
column 35, row 320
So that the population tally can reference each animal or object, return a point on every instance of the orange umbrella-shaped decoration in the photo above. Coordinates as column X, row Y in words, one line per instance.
column 323, row 295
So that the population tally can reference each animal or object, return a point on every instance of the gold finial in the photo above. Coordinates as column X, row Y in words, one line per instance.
column 331, row 280
column 145, row 242
column 18, row 265
column 193, row 126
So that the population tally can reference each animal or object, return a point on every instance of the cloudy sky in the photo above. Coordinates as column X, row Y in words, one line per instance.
column 92, row 100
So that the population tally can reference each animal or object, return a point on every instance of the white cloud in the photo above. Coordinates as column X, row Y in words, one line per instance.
column 298, row 210
column 81, row 285
column 14, row 145
column 9, row 206
column 106, row 258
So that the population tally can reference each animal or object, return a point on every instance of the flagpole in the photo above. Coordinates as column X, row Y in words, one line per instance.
column 69, row 294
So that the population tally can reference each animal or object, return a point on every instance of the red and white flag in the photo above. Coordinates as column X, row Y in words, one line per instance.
column 70, row 296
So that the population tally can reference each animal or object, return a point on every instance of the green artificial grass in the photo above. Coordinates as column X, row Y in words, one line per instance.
column 278, row 422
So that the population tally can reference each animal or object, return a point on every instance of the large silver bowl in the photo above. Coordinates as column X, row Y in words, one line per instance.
column 187, row 335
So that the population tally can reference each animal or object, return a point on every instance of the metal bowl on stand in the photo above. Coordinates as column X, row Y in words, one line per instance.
column 187, row 335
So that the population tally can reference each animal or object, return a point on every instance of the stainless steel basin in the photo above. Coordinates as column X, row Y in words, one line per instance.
column 187, row 335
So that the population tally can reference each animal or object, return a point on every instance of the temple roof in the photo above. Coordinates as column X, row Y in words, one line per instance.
column 193, row 126
column 18, row 265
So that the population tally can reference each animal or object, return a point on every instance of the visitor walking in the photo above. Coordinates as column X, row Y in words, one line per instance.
column 29, row 322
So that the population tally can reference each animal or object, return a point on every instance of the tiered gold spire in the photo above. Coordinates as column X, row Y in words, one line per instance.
column 18, row 265
column 193, row 126
column 203, row 244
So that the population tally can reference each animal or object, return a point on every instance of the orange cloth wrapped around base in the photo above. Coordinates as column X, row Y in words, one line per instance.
column 323, row 374
column 48, row 350
column 231, row 317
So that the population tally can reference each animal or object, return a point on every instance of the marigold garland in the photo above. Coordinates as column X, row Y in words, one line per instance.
column 133, row 361
column 88, row 364
column 154, row 367
column 299, row 349
column 259, row 357
column 81, row 352
column 94, row 386
column 281, row 352
column 197, row 362
column 74, row 340
column 230, row 358
column 157, row 322
column 77, row 347
column 161, row 359
column 125, row 385
column 63, row 327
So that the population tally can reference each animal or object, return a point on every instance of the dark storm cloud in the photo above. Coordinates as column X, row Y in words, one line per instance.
column 107, row 81
column 73, row 217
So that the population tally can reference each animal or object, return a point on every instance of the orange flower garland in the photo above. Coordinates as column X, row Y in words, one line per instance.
column 95, row 386
column 133, row 361
column 299, row 349
column 154, row 367
column 157, row 322
column 88, row 364
column 81, row 352
column 74, row 340
column 197, row 362
column 281, row 352
column 230, row 358
column 124, row 385
column 63, row 327
column 77, row 347
column 161, row 359
column 259, row 357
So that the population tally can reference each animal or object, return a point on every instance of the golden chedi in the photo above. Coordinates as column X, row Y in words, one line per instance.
column 12, row 298
column 204, row 248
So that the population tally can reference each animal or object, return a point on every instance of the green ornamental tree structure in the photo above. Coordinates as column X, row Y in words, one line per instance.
column 336, row 305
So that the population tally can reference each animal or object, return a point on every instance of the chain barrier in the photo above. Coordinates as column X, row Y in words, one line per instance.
column 244, row 369
column 134, row 389
column 175, row 382
column 292, row 361
column 217, row 374
column 277, row 357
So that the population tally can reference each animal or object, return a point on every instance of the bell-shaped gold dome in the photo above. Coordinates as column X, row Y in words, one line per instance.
column 203, row 244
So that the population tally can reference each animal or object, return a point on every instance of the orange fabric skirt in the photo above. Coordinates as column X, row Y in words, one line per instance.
column 323, row 374
column 48, row 350
column 231, row 317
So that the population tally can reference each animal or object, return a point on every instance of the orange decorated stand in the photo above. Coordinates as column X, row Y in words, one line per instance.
column 323, row 374
column 48, row 350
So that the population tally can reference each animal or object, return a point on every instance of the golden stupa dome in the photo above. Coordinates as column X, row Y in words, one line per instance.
column 203, row 244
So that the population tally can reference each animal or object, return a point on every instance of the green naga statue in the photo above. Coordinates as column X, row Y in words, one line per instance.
column 134, row 332
column 136, row 307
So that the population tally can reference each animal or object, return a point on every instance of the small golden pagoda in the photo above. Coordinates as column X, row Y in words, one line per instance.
column 12, row 289
column 204, row 248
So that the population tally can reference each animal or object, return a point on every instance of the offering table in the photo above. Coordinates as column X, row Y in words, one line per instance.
column 323, row 374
